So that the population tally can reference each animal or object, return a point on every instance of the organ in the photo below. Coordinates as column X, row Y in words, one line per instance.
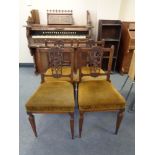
column 60, row 26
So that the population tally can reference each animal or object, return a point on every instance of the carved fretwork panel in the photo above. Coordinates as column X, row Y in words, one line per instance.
column 95, row 60
column 59, row 43
column 59, row 17
column 56, row 61
column 90, row 43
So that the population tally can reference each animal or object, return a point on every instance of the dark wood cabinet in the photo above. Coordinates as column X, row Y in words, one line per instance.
column 127, row 46
column 110, row 31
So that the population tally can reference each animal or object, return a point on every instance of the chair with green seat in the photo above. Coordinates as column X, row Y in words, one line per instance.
column 55, row 96
column 99, row 95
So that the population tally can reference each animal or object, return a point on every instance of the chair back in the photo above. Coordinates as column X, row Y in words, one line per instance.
column 94, row 60
column 55, row 58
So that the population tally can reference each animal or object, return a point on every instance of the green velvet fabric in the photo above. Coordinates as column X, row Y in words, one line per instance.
column 53, row 97
column 99, row 96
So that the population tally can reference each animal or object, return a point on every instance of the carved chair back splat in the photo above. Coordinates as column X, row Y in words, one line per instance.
column 95, row 56
column 55, row 57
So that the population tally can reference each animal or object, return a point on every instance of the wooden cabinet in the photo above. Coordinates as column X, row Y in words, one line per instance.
column 127, row 46
column 110, row 31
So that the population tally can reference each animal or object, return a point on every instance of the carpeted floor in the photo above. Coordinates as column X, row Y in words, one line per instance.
column 54, row 130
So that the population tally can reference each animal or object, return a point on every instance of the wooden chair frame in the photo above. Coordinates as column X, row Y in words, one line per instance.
column 75, row 44
column 103, row 50
column 64, row 63
column 30, row 114
column 120, row 113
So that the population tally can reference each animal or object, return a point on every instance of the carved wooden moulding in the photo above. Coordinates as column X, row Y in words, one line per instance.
column 59, row 17
column 55, row 56
column 90, row 43
column 59, row 43
column 95, row 60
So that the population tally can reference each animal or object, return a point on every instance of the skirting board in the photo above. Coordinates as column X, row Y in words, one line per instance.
column 26, row 64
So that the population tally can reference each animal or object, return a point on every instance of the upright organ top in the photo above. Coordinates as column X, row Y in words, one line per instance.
column 61, row 32
column 60, row 26
column 59, row 17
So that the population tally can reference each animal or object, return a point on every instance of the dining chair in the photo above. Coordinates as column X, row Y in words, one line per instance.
column 54, row 96
column 98, row 95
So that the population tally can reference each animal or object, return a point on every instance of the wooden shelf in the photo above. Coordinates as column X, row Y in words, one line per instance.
column 110, row 39
column 108, row 57
column 111, row 24
column 110, row 31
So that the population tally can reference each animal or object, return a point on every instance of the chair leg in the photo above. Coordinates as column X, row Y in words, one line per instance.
column 81, row 123
column 72, row 124
column 32, row 122
column 119, row 119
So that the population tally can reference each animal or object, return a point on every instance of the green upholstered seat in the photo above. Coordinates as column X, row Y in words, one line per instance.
column 99, row 96
column 52, row 97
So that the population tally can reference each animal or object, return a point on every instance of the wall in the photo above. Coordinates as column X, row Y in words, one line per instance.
column 108, row 9
column 127, row 10
column 99, row 9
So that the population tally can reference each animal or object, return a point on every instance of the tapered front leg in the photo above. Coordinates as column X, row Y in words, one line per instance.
column 119, row 119
column 32, row 122
column 72, row 124
column 81, row 123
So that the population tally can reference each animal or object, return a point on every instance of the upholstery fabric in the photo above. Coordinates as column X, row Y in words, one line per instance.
column 86, row 70
column 52, row 97
column 65, row 71
column 99, row 96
